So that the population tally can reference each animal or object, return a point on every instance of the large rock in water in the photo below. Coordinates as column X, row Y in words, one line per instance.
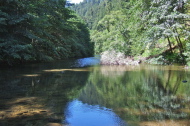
column 117, row 58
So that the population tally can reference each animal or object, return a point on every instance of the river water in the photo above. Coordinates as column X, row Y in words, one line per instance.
column 83, row 93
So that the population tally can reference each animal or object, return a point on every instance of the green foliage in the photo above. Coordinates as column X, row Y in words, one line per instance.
column 187, row 54
column 136, row 26
column 157, row 60
column 92, row 11
column 111, row 34
column 14, row 22
column 41, row 31
column 166, row 58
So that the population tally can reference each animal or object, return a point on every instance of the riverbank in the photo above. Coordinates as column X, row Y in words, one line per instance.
column 117, row 58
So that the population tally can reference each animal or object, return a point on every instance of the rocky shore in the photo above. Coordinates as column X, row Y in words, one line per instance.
column 117, row 58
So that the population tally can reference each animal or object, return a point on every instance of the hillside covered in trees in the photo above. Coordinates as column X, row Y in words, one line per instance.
column 156, row 29
column 41, row 30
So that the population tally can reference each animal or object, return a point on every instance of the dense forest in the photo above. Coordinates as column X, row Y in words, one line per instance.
column 46, row 30
column 41, row 30
column 158, row 30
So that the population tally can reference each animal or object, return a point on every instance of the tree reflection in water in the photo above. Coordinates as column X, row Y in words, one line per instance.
column 140, row 94
column 35, row 95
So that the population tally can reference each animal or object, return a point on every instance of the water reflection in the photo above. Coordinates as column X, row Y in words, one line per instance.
column 38, row 94
column 80, row 114
column 140, row 94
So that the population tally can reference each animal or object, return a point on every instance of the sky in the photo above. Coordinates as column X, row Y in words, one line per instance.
column 76, row 1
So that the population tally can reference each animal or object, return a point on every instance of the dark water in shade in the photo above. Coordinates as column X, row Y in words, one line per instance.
column 82, row 93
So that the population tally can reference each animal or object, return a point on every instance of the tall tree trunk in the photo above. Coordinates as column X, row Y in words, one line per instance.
column 108, row 26
column 179, row 40
column 180, row 45
column 169, row 42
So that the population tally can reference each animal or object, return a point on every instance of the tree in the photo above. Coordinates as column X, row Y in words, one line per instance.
column 42, row 30
column 14, row 43
column 149, row 27
column 167, row 20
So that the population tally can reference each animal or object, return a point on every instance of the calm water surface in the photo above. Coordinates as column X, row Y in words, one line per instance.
column 83, row 93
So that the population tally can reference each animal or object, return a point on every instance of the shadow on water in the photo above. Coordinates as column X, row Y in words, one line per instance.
column 36, row 94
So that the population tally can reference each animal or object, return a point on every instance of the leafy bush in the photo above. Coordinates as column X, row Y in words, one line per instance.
column 187, row 54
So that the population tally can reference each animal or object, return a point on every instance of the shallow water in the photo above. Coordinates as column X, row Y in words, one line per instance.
column 82, row 93
column 81, row 114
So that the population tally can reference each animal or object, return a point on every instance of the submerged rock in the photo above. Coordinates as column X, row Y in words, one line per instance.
column 184, row 81
column 117, row 58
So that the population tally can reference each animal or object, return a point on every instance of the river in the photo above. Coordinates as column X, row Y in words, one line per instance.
column 80, row 92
